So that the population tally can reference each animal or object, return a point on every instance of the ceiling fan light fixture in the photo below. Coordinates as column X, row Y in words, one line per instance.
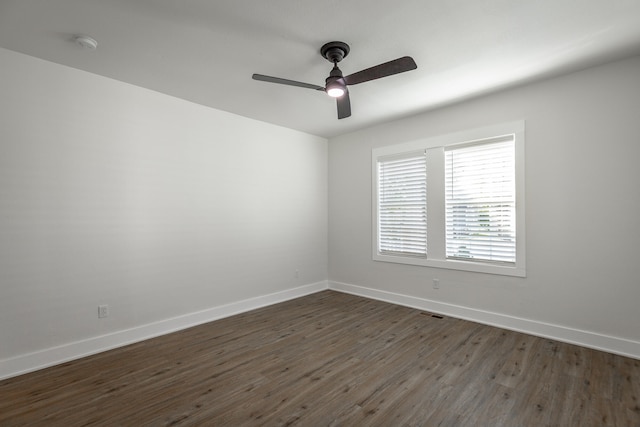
column 335, row 92
column 335, row 88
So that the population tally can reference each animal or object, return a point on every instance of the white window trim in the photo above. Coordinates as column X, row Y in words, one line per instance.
column 436, row 253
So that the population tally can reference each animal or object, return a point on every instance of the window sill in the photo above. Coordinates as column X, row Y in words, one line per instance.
column 502, row 270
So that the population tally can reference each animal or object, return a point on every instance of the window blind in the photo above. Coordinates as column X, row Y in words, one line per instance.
column 480, row 201
column 402, row 205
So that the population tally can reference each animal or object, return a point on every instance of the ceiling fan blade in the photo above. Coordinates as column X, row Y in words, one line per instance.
column 400, row 65
column 278, row 80
column 344, row 106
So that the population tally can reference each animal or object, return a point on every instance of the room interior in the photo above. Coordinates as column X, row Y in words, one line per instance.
column 152, row 176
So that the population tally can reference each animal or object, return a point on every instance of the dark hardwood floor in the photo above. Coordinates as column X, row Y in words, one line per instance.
column 332, row 359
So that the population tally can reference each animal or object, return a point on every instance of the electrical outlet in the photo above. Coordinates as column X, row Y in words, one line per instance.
column 103, row 311
column 297, row 274
column 436, row 283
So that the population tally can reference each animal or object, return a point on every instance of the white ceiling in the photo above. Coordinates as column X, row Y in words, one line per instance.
column 205, row 51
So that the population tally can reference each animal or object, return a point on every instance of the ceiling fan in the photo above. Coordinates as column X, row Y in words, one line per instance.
column 336, row 84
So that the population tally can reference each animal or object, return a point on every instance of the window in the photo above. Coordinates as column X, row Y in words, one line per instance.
column 403, row 205
column 480, row 201
column 469, row 189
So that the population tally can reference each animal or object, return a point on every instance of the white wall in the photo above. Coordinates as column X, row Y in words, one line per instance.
column 582, row 212
column 113, row 194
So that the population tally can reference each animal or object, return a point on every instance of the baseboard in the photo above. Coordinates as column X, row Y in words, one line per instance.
column 53, row 356
column 610, row 344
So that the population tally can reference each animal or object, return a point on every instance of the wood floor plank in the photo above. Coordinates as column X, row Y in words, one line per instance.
column 337, row 360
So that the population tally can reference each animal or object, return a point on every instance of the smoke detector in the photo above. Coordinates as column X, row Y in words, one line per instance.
column 86, row 42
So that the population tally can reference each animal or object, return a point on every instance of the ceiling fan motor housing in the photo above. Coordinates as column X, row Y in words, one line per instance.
column 335, row 80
